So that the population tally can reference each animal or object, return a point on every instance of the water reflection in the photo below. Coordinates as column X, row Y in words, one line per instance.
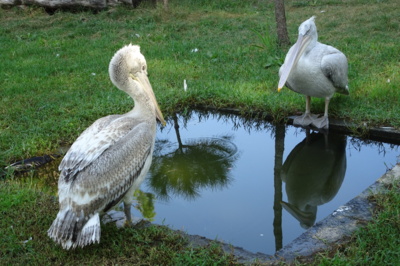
column 279, row 149
column 221, row 176
column 313, row 173
column 44, row 178
column 256, row 200
column 145, row 204
column 184, row 167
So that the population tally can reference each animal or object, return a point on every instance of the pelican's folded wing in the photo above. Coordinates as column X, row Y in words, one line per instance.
column 92, row 143
column 334, row 66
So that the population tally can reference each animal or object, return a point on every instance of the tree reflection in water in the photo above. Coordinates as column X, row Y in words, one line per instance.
column 246, row 188
column 185, row 167
column 145, row 204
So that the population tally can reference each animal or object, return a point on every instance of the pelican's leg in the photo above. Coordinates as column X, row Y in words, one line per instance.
column 128, row 202
column 127, row 211
column 323, row 122
column 307, row 118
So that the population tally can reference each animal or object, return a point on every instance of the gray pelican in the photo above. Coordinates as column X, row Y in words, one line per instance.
column 110, row 159
column 315, row 70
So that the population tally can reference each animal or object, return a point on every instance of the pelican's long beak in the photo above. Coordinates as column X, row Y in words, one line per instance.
column 294, row 56
column 306, row 218
column 144, row 81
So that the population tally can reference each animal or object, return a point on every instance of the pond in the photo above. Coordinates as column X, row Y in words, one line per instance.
column 252, row 184
column 245, row 182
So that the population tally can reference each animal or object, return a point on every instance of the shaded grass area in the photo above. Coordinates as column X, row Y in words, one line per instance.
column 54, row 81
column 27, row 214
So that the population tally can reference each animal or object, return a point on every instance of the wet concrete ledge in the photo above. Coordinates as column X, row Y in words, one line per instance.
column 337, row 226
column 341, row 223
column 385, row 133
column 332, row 230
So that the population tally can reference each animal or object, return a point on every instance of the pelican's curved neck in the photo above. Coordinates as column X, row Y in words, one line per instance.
column 143, row 104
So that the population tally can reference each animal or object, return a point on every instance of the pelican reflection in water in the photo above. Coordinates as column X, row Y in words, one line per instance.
column 313, row 173
column 314, row 70
column 110, row 159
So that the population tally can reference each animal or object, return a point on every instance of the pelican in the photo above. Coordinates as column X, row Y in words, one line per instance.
column 110, row 159
column 315, row 70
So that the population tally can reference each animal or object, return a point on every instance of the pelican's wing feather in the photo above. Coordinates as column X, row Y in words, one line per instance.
column 118, row 164
column 122, row 156
column 334, row 66
column 92, row 143
column 104, row 183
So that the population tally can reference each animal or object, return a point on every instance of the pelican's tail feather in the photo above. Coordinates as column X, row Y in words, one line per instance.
column 90, row 232
column 71, row 230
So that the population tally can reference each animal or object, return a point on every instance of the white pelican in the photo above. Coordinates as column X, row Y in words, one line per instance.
column 315, row 70
column 109, row 159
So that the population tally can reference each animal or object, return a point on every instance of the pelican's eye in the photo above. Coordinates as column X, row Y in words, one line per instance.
column 144, row 69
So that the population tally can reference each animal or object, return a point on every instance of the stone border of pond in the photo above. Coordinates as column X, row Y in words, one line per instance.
column 334, row 229
column 385, row 134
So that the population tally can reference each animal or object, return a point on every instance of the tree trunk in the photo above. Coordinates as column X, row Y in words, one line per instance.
column 280, row 17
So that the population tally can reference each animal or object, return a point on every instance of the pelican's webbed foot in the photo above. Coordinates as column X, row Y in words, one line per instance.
column 322, row 122
column 134, row 222
column 305, row 120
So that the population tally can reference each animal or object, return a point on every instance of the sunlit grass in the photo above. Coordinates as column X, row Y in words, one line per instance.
column 54, row 78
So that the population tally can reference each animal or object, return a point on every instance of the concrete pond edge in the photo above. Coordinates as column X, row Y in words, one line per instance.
column 332, row 230
column 320, row 237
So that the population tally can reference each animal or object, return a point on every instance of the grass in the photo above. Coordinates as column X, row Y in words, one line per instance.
column 27, row 213
column 378, row 242
column 54, row 83
column 54, row 80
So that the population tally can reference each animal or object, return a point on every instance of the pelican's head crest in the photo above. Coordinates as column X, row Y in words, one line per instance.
column 308, row 27
column 128, row 72
column 126, row 61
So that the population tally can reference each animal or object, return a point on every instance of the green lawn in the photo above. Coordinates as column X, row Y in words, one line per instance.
column 54, row 75
column 54, row 83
